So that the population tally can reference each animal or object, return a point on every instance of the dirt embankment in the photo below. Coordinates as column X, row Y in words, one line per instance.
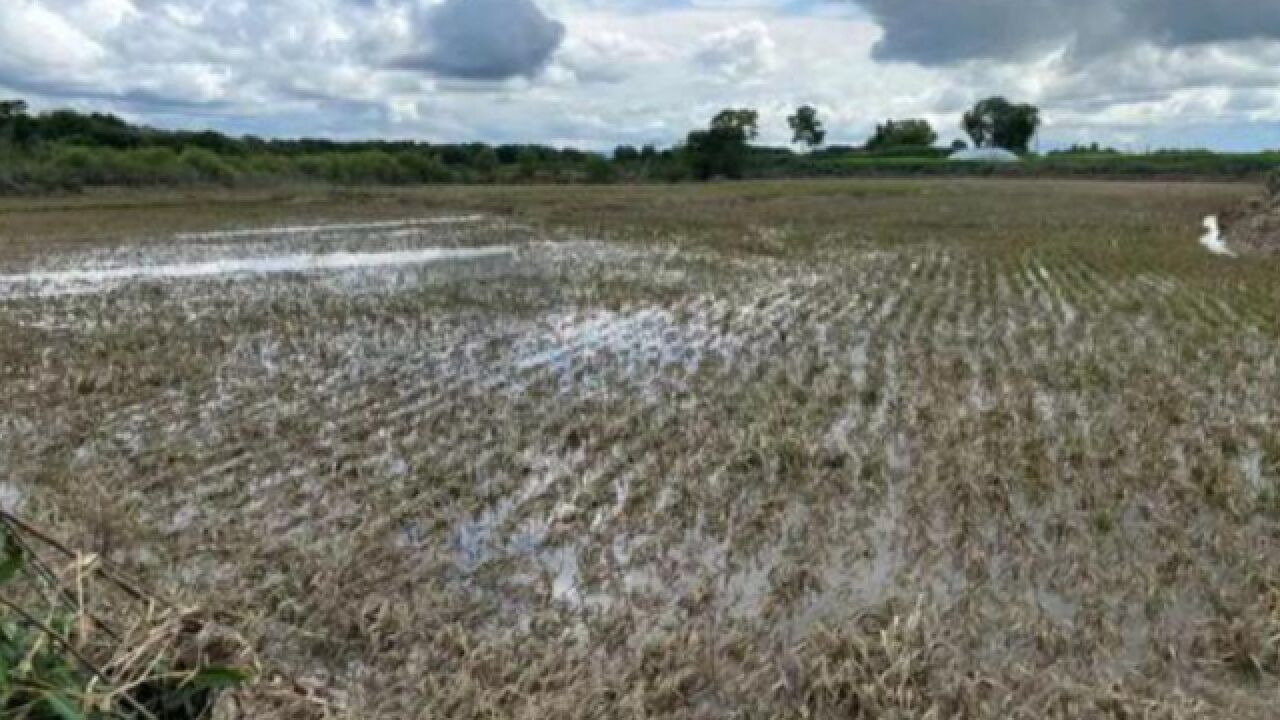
column 1253, row 227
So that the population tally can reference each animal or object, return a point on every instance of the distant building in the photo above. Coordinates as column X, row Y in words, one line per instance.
column 985, row 155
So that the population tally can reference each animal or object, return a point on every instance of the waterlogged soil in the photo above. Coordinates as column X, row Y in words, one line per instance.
column 877, row 471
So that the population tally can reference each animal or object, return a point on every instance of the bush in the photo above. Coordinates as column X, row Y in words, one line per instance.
column 600, row 170
column 528, row 161
column 59, row 660
column 79, row 166
column 268, row 166
column 368, row 168
column 1273, row 183
column 423, row 167
column 207, row 166
column 486, row 162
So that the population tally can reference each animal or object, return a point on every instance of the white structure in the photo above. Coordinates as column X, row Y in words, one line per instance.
column 986, row 155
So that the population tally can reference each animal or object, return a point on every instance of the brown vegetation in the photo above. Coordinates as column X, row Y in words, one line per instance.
column 827, row 450
column 1253, row 226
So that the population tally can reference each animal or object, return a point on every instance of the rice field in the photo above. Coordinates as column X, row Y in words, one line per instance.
column 907, row 449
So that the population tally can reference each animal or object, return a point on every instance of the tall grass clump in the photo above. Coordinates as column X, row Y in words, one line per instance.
column 79, row 643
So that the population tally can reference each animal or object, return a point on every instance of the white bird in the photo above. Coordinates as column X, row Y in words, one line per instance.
column 1212, row 238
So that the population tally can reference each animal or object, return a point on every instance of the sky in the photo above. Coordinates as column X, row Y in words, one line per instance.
column 1134, row 74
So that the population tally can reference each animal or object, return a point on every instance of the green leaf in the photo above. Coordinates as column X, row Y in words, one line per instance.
column 219, row 676
column 10, row 556
column 63, row 708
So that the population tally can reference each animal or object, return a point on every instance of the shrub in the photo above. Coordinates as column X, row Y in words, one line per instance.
column 423, row 167
column 60, row 659
column 600, row 170
column 208, row 166
column 79, row 166
column 529, row 161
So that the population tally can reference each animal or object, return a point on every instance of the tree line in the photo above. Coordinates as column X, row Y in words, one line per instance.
column 723, row 150
column 66, row 149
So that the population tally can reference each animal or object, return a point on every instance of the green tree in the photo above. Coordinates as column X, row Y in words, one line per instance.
column 12, row 108
column 599, row 170
column 1090, row 149
column 625, row 153
column 16, row 127
column 996, row 122
column 486, row 161
column 903, row 133
column 806, row 127
column 741, row 123
column 528, row 162
column 722, row 149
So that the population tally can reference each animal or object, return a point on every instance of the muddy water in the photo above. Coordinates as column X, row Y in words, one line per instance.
column 93, row 280
column 340, row 227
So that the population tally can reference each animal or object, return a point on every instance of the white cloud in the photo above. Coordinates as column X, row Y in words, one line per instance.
column 36, row 40
column 608, row 56
column 744, row 52
column 625, row 71
column 103, row 14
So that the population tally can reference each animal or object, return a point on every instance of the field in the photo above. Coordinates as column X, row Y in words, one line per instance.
column 877, row 449
column 1167, row 165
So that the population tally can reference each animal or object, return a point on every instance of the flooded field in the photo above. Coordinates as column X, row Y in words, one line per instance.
column 881, row 450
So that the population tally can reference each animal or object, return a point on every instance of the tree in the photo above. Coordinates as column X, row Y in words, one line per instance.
column 1090, row 149
column 600, row 170
column 625, row 153
column 722, row 149
column 742, row 124
column 528, row 160
column 996, row 122
column 15, row 125
column 806, row 127
column 12, row 108
column 486, row 161
column 903, row 133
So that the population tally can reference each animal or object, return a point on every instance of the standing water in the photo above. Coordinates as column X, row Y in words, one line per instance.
column 76, row 282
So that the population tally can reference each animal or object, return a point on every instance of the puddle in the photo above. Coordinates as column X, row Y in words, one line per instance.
column 637, row 565
column 1212, row 238
column 339, row 227
column 1250, row 466
column 574, row 340
column 640, row 342
column 79, row 282
column 11, row 498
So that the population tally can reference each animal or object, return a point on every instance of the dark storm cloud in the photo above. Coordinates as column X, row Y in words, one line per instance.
column 485, row 39
column 930, row 32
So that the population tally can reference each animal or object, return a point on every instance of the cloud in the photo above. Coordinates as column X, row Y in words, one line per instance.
column 938, row 33
column 38, row 40
column 607, row 56
column 739, row 53
column 601, row 72
column 484, row 39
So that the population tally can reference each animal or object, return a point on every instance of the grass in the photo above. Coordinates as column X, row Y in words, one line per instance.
column 1189, row 165
column 78, row 641
column 975, row 449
